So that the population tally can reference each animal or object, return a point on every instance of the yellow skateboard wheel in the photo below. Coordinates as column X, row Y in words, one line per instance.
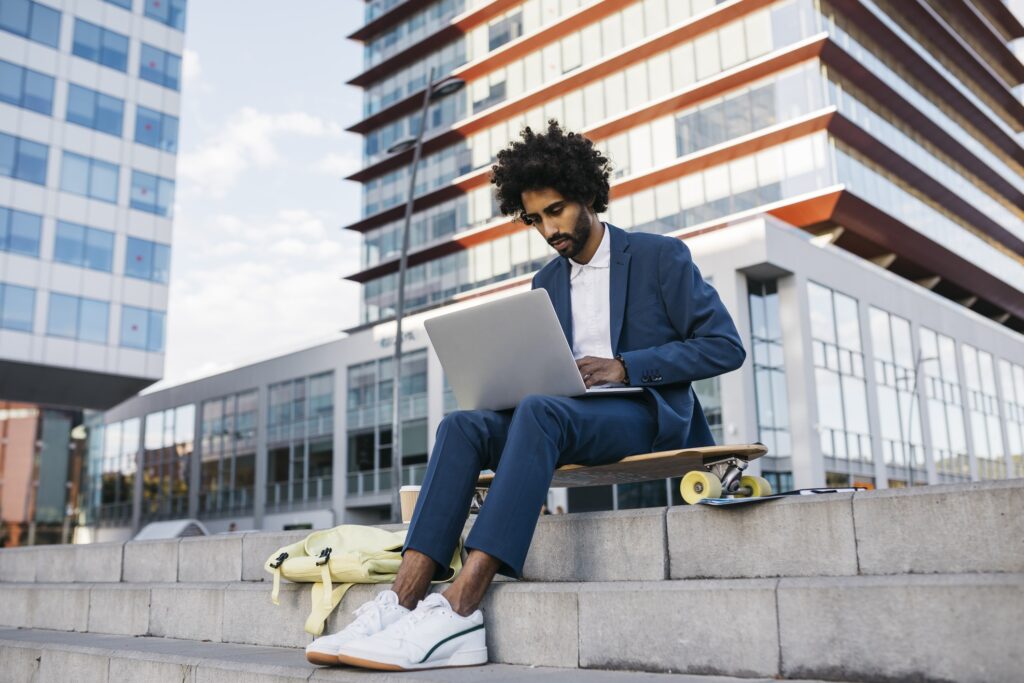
column 759, row 486
column 698, row 485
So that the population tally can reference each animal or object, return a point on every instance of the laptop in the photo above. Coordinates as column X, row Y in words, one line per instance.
column 496, row 354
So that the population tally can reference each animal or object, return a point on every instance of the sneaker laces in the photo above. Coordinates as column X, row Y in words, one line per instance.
column 428, row 606
column 369, row 616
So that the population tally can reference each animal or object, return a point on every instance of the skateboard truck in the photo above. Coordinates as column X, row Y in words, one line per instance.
column 729, row 471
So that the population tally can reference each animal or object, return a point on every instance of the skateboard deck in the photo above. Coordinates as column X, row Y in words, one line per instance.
column 731, row 502
column 646, row 467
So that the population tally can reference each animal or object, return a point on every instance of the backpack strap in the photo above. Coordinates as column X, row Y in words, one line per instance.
column 324, row 600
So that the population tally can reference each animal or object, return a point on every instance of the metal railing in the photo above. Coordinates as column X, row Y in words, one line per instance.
column 285, row 494
column 372, row 482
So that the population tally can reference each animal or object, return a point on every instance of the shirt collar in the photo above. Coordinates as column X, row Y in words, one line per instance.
column 602, row 257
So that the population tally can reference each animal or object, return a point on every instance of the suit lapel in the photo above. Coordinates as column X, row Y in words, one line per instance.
column 563, row 300
column 618, row 282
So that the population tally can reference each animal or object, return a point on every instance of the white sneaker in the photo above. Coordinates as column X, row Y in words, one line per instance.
column 431, row 636
column 371, row 617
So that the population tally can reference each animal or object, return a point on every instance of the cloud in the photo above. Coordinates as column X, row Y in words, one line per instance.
column 339, row 165
column 249, row 140
column 256, row 286
column 191, row 69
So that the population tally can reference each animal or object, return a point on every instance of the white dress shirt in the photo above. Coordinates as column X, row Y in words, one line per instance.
column 588, row 284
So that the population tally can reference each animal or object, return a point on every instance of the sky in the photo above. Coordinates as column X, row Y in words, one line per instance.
column 258, row 252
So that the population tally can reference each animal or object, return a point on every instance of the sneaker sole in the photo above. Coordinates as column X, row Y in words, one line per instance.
column 459, row 659
column 322, row 658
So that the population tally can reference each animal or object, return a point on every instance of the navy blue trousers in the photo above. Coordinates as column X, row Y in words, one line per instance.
column 523, row 447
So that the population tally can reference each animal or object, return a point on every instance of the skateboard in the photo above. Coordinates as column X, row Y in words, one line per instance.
column 731, row 502
column 707, row 472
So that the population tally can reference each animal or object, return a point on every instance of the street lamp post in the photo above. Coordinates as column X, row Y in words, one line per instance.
column 433, row 92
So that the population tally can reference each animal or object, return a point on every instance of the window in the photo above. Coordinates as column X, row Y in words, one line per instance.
column 26, row 88
column 155, row 129
column 142, row 329
column 19, row 232
column 17, row 307
column 23, row 159
column 496, row 94
column 771, row 397
column 95, row 110
column 85, row 247
column 31, row 20
column 78, row 318
column 147, row 260
column 160, row 67
column 170, row 12
column 89, row 177
column 941, row 380
column 127, row 4
column 100, row 45
column 504, row 30
column 151, row 193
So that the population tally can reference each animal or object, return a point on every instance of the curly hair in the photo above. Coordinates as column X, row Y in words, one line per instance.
column 568, row 163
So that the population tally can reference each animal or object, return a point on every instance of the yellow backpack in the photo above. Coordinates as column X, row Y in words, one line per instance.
column 347, row 555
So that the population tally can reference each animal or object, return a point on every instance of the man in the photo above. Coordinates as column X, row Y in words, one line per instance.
column 635, row 311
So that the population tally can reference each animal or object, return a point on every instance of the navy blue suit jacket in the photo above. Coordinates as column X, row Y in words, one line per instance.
column 667, row 323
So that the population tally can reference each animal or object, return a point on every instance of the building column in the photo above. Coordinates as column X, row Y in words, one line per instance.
column 921, row 397
column 965, row 409
column 137, row 483
column 739, row 399
column 795, row 320
column 197, row 463
column 339, row 469
column 259, row 494
column 871, row 391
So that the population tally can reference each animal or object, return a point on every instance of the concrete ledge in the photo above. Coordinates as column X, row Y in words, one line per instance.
column 533, row 624
column 160, row 660
column 18, row 564
column 627, row 545
column 99, row 562
column 798, row 536
column 251, row 618
column 151, row 561
column 56, row 564
column 56, row 606
column 910, row 628
column 210, row 558
column 975, row 527
column 697, row 627
column 119, row 609
column 187, row 611
column 257, row 547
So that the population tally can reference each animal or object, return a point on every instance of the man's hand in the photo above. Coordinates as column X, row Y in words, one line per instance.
column 598, row 371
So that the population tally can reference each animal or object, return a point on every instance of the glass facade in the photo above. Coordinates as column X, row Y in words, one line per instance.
column 167, row 463
column 896, row 382
column 945, row 406
column 147, row 260
column 142, row 328
column 79, row 245
column 983, row 412
column 23, row 159
column 31, row 20
column 88, row 177
column 772, row 400
column 26, row 88
column 300, row 438
column 78, row 318
column 160, row 67
column 17, row 307
column 19, row 232
column 101, row 45
column 1011, row 380
column 369, row 423
column 113, row 449
column 95, row 110
column 840, row 384
column 152, row 194
column 156, row 129
column 228, row 455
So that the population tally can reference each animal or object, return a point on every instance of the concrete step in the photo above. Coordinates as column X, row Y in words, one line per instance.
column 961, row 627
column 45, row 656
column 937, row 529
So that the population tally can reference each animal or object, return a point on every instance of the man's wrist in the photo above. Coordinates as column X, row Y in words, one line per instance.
column 625, row 370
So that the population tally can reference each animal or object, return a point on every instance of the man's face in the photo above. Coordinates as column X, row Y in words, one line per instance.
column 564, row 224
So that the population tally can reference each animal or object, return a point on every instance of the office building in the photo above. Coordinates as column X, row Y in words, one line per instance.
column 847, row 174
column 89, row 102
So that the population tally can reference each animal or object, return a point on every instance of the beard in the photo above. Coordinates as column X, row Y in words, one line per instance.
column 578, row 238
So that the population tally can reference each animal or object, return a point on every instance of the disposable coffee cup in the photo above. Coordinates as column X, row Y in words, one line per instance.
column 408, row 495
